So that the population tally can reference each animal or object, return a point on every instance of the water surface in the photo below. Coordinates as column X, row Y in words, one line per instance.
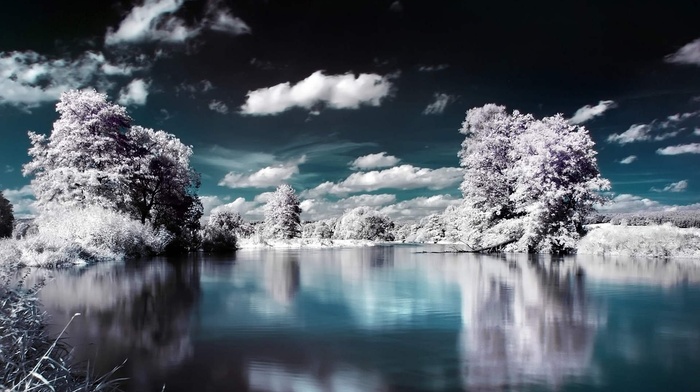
column 384, row 319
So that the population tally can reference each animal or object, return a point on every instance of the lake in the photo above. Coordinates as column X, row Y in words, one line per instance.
column 384, row 318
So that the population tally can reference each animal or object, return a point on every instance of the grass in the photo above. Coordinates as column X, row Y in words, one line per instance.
column 29, row 359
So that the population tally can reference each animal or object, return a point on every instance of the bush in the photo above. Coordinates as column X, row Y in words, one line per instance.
column 83, row 235
column 651, row 241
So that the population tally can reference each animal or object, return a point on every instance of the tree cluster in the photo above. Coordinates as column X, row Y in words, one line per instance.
column 94, row 156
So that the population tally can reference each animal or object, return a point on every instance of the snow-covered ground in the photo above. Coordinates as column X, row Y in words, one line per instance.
column 641, row 241
column 254, row 243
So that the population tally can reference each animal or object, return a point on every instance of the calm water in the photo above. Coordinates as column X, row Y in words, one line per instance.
column 384, row 319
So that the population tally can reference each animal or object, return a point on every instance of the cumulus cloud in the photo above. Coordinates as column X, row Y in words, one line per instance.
column 628, row 160
column 628, row 203
column 696, row 131
column 679, row 186
column 266, row 177
column 441, row 100
column 135, row 93
column 22, row 200
column 334, row 91
column 635, row 133
column 218, row 106
column 589, row 112
column 373, row 161
column 155, row 21
column 28, row 79
column 688, row 54
column 398, row 177
column 420, row 207
column 315, row 209
column 691, row 148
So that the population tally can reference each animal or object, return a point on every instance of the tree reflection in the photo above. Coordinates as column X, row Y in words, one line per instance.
column 282, row 278
column 524, row 321
column 139, row 311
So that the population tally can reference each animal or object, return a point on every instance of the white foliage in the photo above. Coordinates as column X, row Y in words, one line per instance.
column 641, row 241
column 526, row 179
column 81, row 235
column 282, row 214
column 364, row 223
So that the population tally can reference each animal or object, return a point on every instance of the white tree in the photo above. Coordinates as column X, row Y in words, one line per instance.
column 82, row 161
column 282, row 214
column 222, row 231
column 530, row 180
column 94, row 157
column 364, row 223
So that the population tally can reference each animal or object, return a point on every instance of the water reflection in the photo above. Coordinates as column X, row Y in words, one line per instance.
column 135, row 311
column 381, row 318
column 524, row 322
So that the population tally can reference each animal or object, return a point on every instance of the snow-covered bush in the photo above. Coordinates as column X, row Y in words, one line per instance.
column 282, row 214
column 222, row 231
column 83, row 235
column 7, row 218
column 641, row 241
column 364, row 223
column 528, row 180
column 322, row 229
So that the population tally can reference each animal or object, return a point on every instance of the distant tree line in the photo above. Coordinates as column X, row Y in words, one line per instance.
column 682, row 217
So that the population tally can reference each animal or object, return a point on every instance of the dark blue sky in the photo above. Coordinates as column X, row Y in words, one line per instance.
column 363, row 77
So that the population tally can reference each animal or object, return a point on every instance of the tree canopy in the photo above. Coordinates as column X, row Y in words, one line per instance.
column 530, row 180
column 282, row 214
column 94, row 156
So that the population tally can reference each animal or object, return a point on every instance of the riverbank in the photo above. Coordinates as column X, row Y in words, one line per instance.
column 664, row 241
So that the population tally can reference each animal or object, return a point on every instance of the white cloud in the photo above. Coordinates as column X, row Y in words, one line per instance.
column 636, row 133
column 28, row 79
column 628, row 160
column 688, row 54
column 439, row 104
column 589, row 112
column 691, row 148
column 420, row 207
column 152, row 21
column 135, row 93
column 334, row 91
column 23, row 201
column 373, row 161
column 155, row 21
column 679, row 186
column 398, row 177
column 266, row 177
column 696, row 131
column 263, row 197
column 219, row 18
column 629, row 203
column 218, row 106
column 240, row 205
column 315, row 209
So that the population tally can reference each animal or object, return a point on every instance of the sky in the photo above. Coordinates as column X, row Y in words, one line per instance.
column 360, row 103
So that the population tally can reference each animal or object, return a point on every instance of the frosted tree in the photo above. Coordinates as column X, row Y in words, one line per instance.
column 282, row 214
column 94, row 157
column 364, row 223
column 222, row 231
column 7, row 218
column 529, row 180
column 83, row 160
